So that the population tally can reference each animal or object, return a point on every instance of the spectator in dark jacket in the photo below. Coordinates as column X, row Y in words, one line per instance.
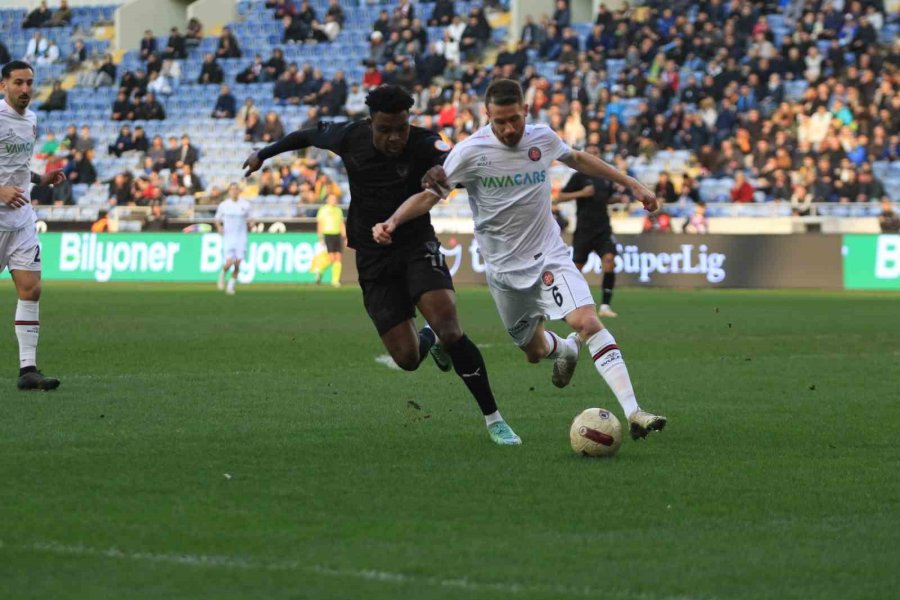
column 122, row 108
column 226, row 105
column 442, row 13
column 4, row 54
column 275, row 66
column 38, row 17
column 150, row 109
column 175, row 48
column 140, row 142
column 83, row 170
column 228, row 45
column 124, row 142
column 211, row 71
column 561, row 15
column 148, row 45
column 56, row 100
column 62, row 17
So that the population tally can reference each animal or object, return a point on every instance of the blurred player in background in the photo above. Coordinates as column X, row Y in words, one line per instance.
column 386, row 159
column 529, row 271
column 232, row 221
column 333, row 234
column 19, row 249
column 593, row 232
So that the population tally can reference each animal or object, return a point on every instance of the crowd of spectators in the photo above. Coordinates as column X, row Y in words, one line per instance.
column 712, row 78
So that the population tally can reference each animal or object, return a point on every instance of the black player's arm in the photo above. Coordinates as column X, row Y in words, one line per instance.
column 585, row 192
column 594, row 167
column 327, row 137
column 298, row 140
column 35, row 178
column 415, row 206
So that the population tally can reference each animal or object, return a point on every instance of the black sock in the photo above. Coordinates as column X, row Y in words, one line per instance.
column 427, row 338
column 609, row 282
column 470, row 367
column 24, row 370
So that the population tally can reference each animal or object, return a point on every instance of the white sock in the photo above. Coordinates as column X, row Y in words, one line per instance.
column 609, row 363
column 492, row 418
column 560, row 347
column 28, row 327
column 231, row 283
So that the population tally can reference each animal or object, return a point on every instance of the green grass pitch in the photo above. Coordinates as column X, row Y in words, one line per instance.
column 205, row 446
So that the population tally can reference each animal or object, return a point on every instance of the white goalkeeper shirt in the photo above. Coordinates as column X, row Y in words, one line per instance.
column 18, row 135
column 234, row 215
column 509, row 194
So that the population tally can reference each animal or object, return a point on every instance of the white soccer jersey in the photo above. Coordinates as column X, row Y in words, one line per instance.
column 18, row 134
column 234, row 215
column 509, row 193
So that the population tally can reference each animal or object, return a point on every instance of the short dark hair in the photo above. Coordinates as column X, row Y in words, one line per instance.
column 391, row 99
column 503, row 92
column 14, row 65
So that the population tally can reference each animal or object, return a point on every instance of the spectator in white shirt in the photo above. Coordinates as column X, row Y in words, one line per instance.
column 37, row 47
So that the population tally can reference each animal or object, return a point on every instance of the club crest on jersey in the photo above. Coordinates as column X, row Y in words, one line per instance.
column 441, row 146
column 548, row 278
column 534, row 153
column 402, row 170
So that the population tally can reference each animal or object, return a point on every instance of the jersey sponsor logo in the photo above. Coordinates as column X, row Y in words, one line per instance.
column 513, row 180
column 534, row 153
column 548, row 278
column 19, row 148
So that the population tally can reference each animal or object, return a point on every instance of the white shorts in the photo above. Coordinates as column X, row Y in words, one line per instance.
column 558, row 289
column 19, row 250
column 234, row 248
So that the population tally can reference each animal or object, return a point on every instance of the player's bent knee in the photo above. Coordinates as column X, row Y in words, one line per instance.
column 407, row 362
column 448, row 333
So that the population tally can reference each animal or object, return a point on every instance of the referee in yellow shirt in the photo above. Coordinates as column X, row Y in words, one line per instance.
column 333, row 233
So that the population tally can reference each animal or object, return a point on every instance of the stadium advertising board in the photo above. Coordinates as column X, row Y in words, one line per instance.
column 284, row 258
column 871, row 262
column 726, row 261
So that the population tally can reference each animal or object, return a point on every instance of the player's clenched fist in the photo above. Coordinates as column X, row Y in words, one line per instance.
column 381, row 232
column 13, row 197
column 644, row 196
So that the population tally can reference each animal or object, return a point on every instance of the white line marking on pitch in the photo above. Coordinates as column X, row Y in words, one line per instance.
column 386, row 360
column 237, row 562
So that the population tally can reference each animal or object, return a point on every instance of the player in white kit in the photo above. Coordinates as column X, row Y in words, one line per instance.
column 19, row 250
column 232, row 221
column 530, row 273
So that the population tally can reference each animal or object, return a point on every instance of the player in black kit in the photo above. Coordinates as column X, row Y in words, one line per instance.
column 592, row 230
column 386, row 159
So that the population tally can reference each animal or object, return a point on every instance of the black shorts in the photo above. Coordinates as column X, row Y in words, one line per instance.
column 584, row 244
column 393, row 282
column 333, row 242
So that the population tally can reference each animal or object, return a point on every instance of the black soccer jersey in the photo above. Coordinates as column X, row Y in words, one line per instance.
column 379, row 184
column 592, row 212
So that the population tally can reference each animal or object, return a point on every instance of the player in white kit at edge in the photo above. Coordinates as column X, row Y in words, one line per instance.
column 19, row 250
column 232, row 221
column 530, row 273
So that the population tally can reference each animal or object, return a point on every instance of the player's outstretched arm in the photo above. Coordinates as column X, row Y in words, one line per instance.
column 595, row 167
column 585, row 192
column 298, row 140
column 415, row 206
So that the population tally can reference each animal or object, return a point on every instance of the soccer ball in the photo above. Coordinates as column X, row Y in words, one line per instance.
column 596, row 432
